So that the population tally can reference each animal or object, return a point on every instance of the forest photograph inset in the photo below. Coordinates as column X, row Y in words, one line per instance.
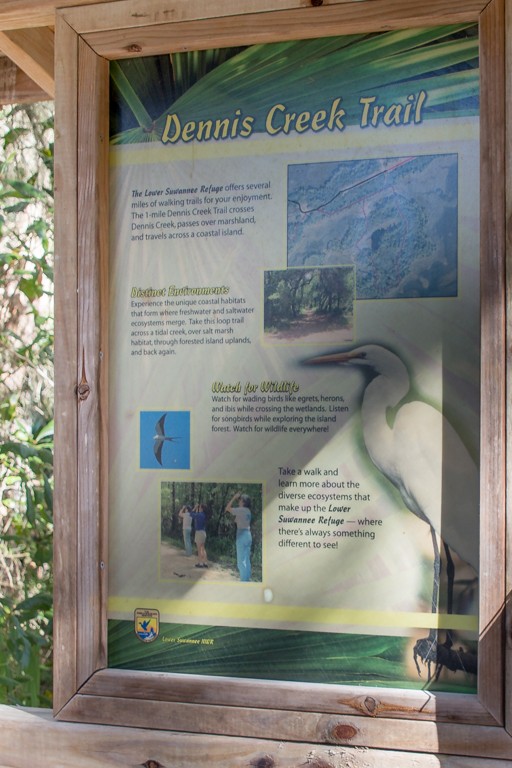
column 211, row 531
column 309, row 305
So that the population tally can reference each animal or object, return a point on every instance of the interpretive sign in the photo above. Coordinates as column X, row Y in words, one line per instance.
column 295, row 359
column 280, row 503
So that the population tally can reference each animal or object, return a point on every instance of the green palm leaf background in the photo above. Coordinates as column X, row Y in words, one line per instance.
column 212, row 84
column 320, row 657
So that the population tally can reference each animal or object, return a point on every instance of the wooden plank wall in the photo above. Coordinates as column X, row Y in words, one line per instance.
column 33, row 738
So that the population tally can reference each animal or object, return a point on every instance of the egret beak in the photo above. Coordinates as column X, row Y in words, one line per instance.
column 336, row 357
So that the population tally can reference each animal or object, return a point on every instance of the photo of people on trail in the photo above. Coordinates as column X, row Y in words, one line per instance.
column 211, row 531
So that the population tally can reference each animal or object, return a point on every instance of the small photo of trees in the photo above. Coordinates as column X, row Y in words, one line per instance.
column 309, row 305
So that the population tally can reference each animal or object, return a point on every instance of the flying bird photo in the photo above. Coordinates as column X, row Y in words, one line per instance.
column 160, row 438
column 165, row 440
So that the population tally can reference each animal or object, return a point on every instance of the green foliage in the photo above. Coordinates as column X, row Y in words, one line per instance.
column 147, row 85
column 26, row 403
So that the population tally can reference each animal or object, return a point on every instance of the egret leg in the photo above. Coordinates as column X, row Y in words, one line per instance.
column 426, row 648
column 429, row 650
column 450, row 573
column 437, row 571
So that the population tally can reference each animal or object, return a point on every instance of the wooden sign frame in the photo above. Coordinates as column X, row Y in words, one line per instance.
column 85, row 689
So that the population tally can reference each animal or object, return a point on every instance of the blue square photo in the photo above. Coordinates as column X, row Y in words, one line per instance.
column 165, row 439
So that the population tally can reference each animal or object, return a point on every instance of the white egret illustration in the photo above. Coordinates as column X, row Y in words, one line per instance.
column 416, row 448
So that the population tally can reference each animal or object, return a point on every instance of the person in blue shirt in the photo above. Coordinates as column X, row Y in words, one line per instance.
column 242, row 515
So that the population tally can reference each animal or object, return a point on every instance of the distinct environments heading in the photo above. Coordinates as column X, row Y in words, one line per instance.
column 280, row 121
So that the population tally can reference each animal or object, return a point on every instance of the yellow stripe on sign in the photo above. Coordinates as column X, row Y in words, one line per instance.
column 293, row 614
column 460, row 129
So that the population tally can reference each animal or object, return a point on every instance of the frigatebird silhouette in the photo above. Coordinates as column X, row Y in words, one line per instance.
column 160, row 438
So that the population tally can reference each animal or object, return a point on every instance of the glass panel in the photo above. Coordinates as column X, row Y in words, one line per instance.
column 294, row 361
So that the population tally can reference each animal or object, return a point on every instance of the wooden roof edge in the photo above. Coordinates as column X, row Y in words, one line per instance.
column 30, row 14
column 33, row 51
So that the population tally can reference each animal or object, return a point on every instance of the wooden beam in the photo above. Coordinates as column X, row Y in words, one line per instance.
column 128, row 14
column 507, row 157
column 25, row 14
column 32, row 50
column 493, row 384
column 32, row 737
column 198, row 26
column 66, row 362
column 16, row 87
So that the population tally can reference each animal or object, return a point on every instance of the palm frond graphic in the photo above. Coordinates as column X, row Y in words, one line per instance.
column 202, row 85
